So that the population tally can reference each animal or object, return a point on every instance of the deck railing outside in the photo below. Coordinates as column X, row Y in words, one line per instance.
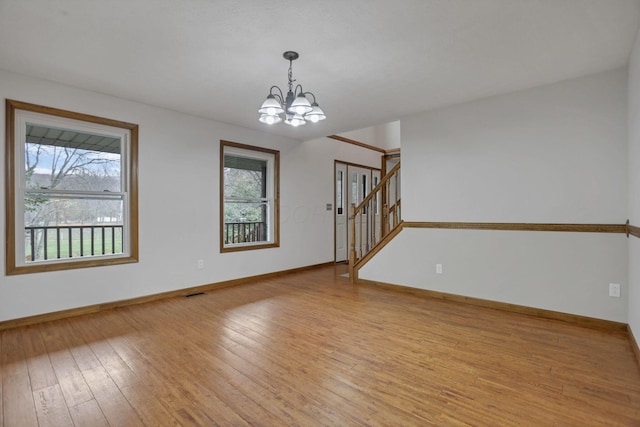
column 245, row 232
column 70, row 241
column 74, row 241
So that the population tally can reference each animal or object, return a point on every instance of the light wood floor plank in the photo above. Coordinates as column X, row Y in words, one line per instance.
column 19, row 407
column 51, row 408
column 38, row 364
column 72, row 383
column 17, row 395
column 113, row 404
column 311, row 349
column 88, row 414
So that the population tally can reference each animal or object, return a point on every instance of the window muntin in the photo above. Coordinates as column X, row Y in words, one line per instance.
column 73, row 200
column 249, row 197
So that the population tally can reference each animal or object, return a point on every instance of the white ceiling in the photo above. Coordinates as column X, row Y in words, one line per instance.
column 368, row 61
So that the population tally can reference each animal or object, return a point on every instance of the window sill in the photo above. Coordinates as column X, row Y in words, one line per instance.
column 248, row 247
column 70, row 265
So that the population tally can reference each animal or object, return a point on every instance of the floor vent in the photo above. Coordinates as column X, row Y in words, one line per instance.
column 197, row 294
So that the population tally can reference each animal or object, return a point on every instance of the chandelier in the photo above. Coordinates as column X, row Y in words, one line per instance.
column 296, row 108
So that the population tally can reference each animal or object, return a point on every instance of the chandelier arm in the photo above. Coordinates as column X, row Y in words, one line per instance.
column 298, row 86
column 278, row 95
column 309, row 93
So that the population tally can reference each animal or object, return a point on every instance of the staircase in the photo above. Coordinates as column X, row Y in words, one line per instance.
column 375, row 221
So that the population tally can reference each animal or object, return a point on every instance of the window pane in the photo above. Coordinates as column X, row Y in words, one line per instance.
column 364, row 192
column 354, row 188
column 248, row 180
column 246, row 222
column 339, row 197
column 364, row 186
column 245, row 211
column 63, row 159
column 375, row 197
column 67, row 227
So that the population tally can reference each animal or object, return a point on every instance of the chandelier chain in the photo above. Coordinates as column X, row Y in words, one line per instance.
column 291, row 79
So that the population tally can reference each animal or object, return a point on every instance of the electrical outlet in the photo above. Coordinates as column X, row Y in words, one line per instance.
column 614, row 290
column 200, row 264
column 438, row 268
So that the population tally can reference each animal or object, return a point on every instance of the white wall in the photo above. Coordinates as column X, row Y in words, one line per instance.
column 556, row 153
column 553, row 154
column 179, row 205
column 634, row 187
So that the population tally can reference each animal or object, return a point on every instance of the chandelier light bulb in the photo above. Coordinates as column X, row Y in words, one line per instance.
column 298, row 120
column 295, row 121
column 271, row 106
column 316, row 114
column 300, row 105
column 270, row 119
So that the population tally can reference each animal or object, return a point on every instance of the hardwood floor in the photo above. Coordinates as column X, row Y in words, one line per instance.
column 310, row 349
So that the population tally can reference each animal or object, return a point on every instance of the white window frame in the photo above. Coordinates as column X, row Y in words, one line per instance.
column 272, row 194
column 20, row 114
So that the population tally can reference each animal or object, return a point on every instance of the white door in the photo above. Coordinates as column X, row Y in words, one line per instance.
column 341, row 212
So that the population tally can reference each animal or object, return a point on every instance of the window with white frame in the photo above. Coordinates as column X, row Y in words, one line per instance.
column 248, row 197
column 72, row 196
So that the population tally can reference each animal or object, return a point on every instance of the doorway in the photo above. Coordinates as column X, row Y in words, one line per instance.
column 352, row 183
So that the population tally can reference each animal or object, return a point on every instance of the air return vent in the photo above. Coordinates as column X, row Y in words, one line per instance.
column 197, row 294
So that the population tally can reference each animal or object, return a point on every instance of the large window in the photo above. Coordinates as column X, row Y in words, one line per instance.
column 71, row 190
column 248, row 197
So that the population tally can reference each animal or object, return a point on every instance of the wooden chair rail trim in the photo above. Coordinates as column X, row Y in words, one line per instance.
column 584, row 321
column 358, row 143
column 40, row 318
column 584, row 228
column 633, row 230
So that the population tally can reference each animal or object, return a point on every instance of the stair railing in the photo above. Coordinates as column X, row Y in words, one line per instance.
column 373, row 220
